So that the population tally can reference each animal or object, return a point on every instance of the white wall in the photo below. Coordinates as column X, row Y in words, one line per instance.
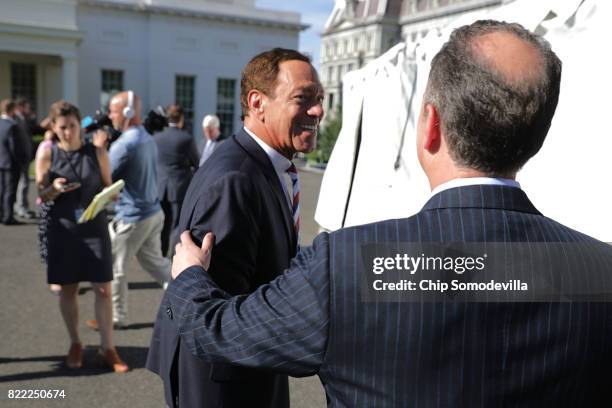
column 152, row 49
column 113, row 39
column 39, row 13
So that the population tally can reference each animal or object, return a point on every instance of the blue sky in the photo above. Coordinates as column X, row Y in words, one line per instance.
column 314, row 13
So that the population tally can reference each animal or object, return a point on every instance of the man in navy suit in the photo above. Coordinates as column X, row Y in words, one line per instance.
column 12, row 155
column 491, row 95
column 244, row 194
column 177, row 157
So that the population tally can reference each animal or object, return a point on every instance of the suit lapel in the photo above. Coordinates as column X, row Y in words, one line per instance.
column 260, row 156
column 482, row 196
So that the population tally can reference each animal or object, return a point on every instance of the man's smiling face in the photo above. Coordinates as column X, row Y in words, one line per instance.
column 293, row 113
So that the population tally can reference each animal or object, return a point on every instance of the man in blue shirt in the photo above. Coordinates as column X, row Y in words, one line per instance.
column 138, row 222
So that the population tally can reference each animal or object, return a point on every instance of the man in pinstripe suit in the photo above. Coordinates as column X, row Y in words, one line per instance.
column 491, row 95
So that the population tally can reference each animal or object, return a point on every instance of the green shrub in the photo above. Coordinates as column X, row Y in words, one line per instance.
column 327, row 137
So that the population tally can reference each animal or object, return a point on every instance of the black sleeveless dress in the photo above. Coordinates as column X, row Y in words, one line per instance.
column 77, row 252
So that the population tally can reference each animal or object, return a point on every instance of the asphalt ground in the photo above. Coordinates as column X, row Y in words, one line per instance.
column 34, row 341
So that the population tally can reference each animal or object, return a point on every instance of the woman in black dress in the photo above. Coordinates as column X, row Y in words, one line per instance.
column 70, row 174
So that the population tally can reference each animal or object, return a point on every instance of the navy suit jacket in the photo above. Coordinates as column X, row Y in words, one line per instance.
column 312, row 319
column 25, row 138
column 237, row 194
column 12, row 154
column 177, row 157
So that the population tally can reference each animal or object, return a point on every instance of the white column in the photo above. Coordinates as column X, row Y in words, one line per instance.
column 70, row 78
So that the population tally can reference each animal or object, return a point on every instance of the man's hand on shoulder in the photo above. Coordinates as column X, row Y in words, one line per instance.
column 188, row 254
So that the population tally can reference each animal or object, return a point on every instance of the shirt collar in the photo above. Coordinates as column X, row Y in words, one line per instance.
column 280, row 162
column 470, row 181
column 7, row 117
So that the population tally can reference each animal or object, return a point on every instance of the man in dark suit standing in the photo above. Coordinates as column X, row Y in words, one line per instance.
column 177, row 158
column 491, row 95
column 212, row 136
column 11, row 157
column 22, row 117
column 248, row 193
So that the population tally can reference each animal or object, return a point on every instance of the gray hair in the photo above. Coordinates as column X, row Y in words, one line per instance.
column 210, row 121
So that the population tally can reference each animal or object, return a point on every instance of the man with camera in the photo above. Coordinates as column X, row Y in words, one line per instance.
column 138, row 222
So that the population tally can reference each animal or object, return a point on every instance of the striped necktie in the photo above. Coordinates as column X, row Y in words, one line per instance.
column 295, row 206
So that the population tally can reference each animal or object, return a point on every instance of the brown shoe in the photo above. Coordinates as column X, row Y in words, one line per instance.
column 110, row 359
column 93, row 324
column 74, row 359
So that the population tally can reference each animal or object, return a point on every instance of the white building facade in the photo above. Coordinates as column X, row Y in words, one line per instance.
column 358, row 31
column 189, row 52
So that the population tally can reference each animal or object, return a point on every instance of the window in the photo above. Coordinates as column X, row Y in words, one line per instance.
column 112, row 82
column 23, row 82
column 184, row 95
column 339, row 73
column 226, row 96
column 330, row 99
column 330, row 74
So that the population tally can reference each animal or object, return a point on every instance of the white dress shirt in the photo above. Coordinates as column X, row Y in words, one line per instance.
column 279, row 162
column 209, row 147
column 470, row 181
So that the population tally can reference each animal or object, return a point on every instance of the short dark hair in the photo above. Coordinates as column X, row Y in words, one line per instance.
column 62, row 108
column 492, row 124
column 21, row 101
column 174, row 113
column 7, row 106
column 262, row 71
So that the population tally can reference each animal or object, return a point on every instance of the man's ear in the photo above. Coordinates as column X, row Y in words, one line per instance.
column 255, row 99
column 433, row 135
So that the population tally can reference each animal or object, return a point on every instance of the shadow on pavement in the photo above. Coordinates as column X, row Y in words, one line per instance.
column 131, row 285
column 143, row 285
column 137, row 326
column 135, row 357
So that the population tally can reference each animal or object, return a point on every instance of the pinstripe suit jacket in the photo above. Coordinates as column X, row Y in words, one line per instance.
column 311, row 320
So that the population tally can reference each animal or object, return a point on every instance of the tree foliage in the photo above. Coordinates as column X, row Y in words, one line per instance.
column 327, row 137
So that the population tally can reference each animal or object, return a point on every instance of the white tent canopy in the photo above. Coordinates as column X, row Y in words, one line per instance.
column 373, row 173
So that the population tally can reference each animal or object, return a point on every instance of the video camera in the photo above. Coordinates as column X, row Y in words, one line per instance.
column 100, row 120
column 155, row 122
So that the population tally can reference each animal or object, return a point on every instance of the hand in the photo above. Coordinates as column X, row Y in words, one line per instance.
column 100, row 138
column 188, row 254
column 49, row 135
column 60, row 186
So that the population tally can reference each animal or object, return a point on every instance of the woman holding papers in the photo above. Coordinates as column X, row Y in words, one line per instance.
column 69, row 175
